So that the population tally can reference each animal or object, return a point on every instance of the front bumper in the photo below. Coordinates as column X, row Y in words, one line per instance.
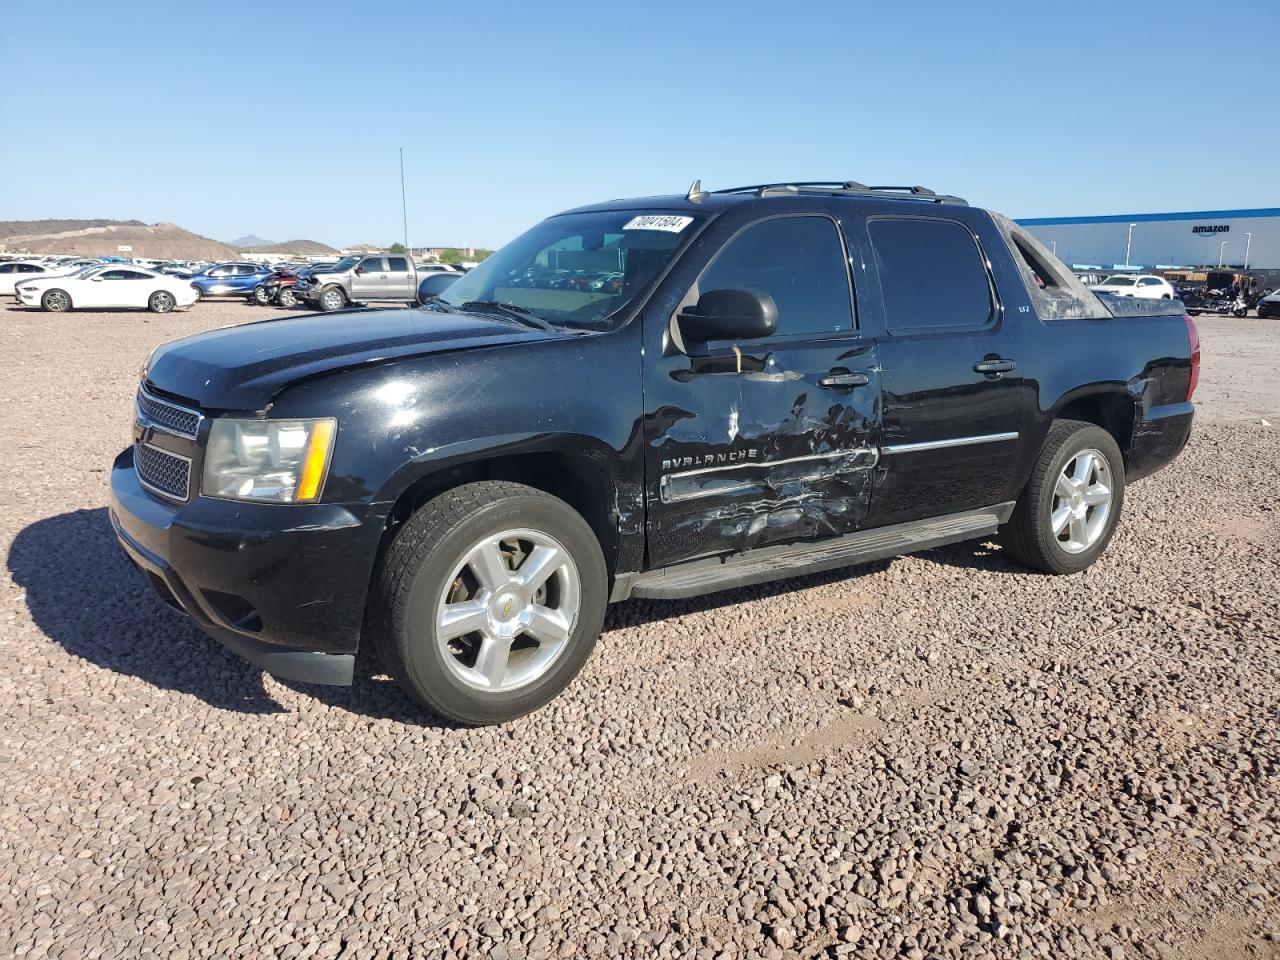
column 282, row 585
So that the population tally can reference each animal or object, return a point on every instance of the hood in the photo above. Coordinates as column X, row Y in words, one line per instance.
column 244, row 367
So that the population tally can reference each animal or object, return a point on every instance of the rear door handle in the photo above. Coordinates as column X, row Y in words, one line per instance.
column 843, row 380
column 994, row 366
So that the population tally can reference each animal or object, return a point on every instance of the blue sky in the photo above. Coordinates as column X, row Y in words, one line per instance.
column 284, row 121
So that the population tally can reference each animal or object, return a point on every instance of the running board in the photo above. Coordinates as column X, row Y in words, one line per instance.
column 792, row 560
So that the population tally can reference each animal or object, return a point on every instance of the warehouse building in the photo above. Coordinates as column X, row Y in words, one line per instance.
column 1239, row 239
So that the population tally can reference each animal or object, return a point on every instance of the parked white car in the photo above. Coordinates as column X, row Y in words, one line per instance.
column 1145, row 286
column 108, row 286
column 14, row 272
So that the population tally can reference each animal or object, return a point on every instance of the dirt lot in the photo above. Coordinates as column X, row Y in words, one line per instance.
column 943, row 755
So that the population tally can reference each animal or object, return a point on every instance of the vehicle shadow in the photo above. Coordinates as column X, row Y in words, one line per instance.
column 375, row 695
column 637, row 612
column 979, row 555
column 84, row 594
column 971, row 554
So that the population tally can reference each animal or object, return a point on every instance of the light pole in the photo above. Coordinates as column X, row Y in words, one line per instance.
column 1222, row 252
column 1128, row 244
column 404, row 207
column 1055, row 247
column 1248, row 241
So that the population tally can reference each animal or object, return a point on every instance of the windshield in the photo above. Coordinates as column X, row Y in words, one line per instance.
column 1118, row 282
column 346, row 263
column 578, row 270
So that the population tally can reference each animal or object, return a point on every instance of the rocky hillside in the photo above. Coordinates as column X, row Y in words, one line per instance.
column 14, row 228
column 306, row 248
column 97, row 238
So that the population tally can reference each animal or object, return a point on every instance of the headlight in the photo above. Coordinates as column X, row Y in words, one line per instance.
column 284, row 461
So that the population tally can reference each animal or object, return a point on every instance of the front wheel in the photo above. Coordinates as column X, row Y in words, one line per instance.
column 287, row 298
column 162, row 301
column 489, row 601
column 332, row 299
column 56, row 301
column 1069, row 508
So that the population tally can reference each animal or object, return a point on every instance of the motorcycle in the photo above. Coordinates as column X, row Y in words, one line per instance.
column 1222, row 302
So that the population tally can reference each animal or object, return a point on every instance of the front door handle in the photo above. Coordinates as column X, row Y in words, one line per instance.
column 839, row 379
column 994, row 366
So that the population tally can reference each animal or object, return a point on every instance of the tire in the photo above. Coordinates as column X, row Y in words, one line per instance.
column 1029, row 535
column 286, row 298
column 56, row 301
column 332, row 299
column 260, row 296
column 199, row 293
column 430, row 565
column 162, row 301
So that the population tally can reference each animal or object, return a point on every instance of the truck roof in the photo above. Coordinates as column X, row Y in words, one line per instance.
column 718, row 200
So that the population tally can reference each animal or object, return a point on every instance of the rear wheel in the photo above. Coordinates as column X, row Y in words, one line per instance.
column 1069, row 508
column 199, row 293
column 162, row 301
column 260, row 296
column 489, row 601
column 332, row 299
column 56, row 301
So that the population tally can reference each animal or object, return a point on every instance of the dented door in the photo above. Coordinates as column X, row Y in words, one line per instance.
column 772, row 441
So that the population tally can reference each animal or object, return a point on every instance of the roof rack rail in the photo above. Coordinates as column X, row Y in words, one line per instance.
column 845, row 188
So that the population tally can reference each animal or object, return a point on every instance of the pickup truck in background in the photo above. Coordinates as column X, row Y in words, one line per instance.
column 768, row 381
column 357, row 279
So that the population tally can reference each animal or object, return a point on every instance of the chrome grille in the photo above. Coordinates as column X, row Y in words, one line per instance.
column 161, row 471
column 168, row 416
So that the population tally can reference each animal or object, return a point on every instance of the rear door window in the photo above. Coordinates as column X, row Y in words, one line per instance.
column 933, row 275
column 398, row 265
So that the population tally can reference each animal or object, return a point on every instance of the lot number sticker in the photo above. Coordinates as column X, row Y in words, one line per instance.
column 668, row 224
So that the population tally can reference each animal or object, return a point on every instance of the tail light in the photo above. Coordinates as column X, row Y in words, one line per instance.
column 1193, row 335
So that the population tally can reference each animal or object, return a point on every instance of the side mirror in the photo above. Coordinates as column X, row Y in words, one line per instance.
column 97, row 279
column 729, row 315
column 359, row 270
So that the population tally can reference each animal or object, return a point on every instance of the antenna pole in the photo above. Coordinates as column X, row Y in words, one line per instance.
column 404, row 207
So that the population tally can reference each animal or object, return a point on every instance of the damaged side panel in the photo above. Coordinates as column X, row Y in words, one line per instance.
column 738, row 459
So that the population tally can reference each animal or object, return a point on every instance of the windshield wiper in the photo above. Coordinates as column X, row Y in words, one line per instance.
column 519, row 314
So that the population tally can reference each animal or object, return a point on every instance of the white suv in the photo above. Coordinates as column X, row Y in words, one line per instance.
column 1143, row 285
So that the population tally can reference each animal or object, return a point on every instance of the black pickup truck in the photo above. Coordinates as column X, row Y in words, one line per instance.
column 661, row 398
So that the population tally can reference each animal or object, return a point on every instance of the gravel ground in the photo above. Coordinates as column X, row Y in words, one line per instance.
column 945, row 755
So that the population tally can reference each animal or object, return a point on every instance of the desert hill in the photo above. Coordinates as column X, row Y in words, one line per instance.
column 306, row 248
column 98, row 238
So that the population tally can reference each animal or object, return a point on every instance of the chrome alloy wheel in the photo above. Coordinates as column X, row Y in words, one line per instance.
column 508, row 610
column 332, row 300
column 1081, row 505
column 56, row 301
